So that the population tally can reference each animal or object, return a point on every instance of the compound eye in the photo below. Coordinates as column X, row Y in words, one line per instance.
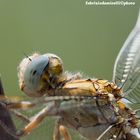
column 55, row 65
column 34, row 72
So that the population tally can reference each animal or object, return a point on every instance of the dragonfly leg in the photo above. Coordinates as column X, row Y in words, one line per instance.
column 64, row 132
column 20, row 116
column 56, row 133
column 60, row 130
column 20, row 105
column 49, row 110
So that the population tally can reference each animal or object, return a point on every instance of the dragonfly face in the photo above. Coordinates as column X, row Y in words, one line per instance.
column 93, row 107
column 37, row 72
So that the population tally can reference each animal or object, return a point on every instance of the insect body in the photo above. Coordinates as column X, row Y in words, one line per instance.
column 93, row 107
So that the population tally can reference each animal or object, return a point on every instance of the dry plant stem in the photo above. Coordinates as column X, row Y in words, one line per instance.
column 6, row 119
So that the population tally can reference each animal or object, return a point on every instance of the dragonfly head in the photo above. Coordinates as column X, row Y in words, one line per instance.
column 36, row 73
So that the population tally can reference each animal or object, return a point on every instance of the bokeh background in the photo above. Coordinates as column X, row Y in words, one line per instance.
column 87, row 38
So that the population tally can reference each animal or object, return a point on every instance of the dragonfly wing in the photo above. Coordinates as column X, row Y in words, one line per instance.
column 116, row 133
column 111, row 132
column 126, row 72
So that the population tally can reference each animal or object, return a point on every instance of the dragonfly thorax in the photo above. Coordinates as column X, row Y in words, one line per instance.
column 91, row 87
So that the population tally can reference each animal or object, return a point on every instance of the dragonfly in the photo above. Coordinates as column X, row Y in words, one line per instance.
column 97, row 109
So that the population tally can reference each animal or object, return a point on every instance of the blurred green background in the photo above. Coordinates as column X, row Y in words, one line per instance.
column 87, row 38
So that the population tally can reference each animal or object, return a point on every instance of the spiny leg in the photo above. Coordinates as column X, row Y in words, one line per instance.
column 60, row 130
column 49, row 110
column 12, row 106
column 20, row 105
column 20, row 116
column 23, row 105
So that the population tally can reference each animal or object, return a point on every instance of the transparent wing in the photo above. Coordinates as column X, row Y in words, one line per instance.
column 126, row 72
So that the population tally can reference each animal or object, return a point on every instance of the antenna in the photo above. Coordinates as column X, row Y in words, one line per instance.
column 27, row 56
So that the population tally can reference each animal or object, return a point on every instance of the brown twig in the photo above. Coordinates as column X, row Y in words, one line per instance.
column 6, row 119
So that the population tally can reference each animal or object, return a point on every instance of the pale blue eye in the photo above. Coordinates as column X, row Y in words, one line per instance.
column 34, row 72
